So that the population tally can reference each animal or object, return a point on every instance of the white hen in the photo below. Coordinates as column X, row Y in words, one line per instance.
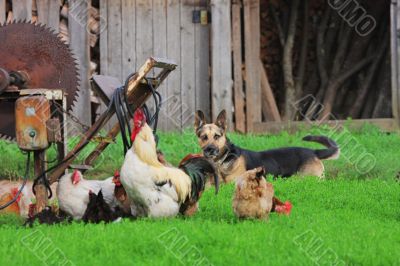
column 73, row 193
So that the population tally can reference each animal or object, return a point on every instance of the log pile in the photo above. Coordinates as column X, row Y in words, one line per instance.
column 308, row 48
column 93, row 26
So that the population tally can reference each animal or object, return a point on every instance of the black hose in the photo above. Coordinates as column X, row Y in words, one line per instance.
column 119, row 103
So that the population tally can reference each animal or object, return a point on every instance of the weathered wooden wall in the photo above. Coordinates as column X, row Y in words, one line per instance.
column 133, row 30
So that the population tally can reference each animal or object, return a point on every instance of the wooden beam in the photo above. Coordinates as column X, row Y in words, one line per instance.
column 269, row 107
column 114, row 43
column 2, row 11
column 221, row 58
column 160, row 50
column 22, row 10
column 387, row 124
column 79, row 44
column 104, row 37
column 395, row 54
column 239, row 97
column 173, row 102
column 188, row 71
column 202, row 63
column 252, row 58
column 39, row 158
column 396, row 94
column 49, row 13
column 128, row 37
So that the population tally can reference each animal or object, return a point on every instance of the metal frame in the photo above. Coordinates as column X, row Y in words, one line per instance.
column 137, row 93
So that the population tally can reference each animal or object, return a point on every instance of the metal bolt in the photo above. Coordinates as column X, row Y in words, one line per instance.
column 32, row 133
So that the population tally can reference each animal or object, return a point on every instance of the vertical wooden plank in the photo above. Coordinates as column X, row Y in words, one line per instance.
column 160, row 50
column 202, row 64
column 221, row 60
column 396, row 94
column 128, row 38
column 144, row 31
column 269, row 107
column 114, row 35
column 252, row 57
column 22, row 9
column 79, row 43
column 104, row 49
column 395, row 57
column 240, row 116
column 2, row 11
column 188, row 71
column 144, row 37
column 49, row 13
column 173, row 102
column 104, row 37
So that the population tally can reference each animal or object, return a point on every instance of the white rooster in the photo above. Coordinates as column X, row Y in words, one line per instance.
column 156, row 190
column 73, row 193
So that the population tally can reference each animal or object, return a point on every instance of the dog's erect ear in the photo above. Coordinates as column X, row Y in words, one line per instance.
column 260, row 172
column 199, row 120
column 221, row 120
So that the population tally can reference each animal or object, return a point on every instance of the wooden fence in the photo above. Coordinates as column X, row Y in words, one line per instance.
column 218, row 60
column 135, row 30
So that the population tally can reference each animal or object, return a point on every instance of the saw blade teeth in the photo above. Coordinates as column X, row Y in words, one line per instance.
column 74, row 103
column 7, row 138
column 61, row 57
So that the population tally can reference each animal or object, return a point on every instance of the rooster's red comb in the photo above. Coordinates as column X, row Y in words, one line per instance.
column 116, row 179
column 139, row 116
column 116, row 173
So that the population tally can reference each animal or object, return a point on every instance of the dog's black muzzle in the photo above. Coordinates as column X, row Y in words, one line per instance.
column 210, row 151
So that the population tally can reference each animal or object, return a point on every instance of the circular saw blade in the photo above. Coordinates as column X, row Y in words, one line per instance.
column 39, row 52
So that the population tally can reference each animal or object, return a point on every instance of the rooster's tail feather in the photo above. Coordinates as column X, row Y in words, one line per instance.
column 197, row 168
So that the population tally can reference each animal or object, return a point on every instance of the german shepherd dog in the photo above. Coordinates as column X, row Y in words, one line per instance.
column 232, row 161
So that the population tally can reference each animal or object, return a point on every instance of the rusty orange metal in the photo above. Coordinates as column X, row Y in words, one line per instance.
column 31, row 115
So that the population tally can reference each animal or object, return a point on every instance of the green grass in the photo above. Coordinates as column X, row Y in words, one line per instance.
column 350, row 217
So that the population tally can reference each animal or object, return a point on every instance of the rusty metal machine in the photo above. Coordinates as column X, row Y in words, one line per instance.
column 38, row 85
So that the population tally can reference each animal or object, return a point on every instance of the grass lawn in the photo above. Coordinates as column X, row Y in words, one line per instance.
column 351, row 217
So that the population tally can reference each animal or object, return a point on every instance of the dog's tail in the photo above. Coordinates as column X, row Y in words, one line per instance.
column 332, row 152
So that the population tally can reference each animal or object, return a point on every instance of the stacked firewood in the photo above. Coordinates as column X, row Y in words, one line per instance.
column 93, row 26
column 348, row 74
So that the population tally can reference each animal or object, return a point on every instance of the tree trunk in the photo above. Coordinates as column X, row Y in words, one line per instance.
column 288, row 62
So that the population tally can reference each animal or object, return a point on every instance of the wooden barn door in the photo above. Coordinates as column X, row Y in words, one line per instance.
column 134, row 30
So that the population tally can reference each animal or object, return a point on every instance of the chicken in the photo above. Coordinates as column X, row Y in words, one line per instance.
column 73, row 193
column 98, row 210
column 14, row 207
column 46, row 216
column 120, row 194
column 254, row 196
column 26, row 197
column 156, row 190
